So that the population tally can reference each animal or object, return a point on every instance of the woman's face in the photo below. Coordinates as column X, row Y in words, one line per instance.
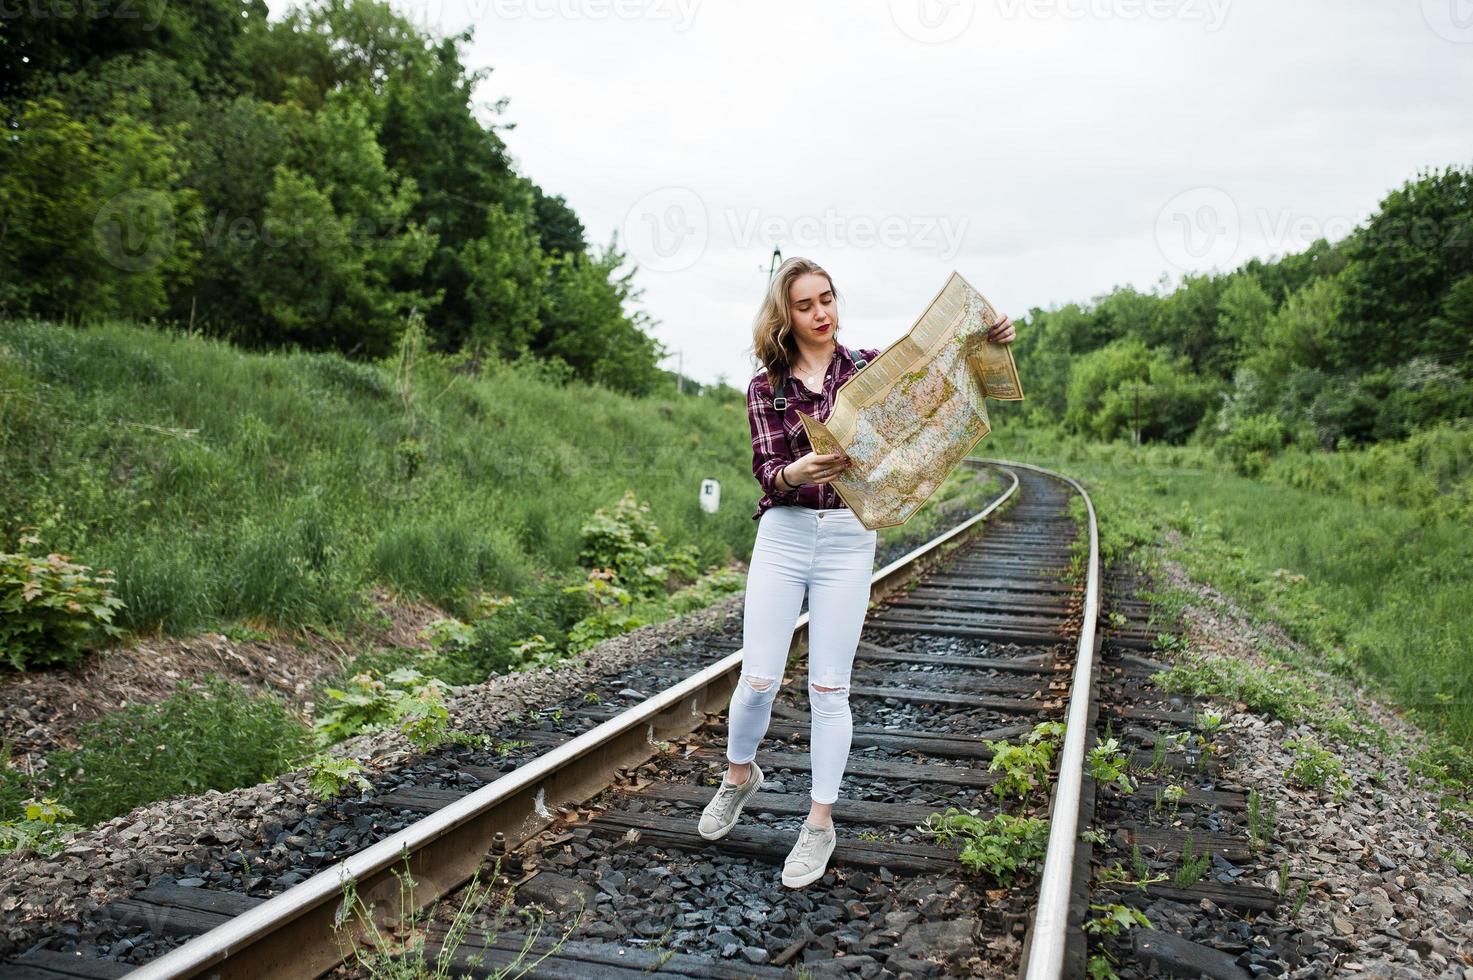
column 814, row 310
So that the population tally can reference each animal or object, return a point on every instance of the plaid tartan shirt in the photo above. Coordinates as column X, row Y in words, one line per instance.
column 778, row 438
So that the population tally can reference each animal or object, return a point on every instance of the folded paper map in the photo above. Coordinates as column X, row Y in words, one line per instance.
column 910, row 416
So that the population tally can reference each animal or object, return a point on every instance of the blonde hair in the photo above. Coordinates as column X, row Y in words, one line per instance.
column 772, row 331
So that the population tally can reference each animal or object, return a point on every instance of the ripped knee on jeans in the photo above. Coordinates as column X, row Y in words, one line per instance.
column 830, row 688
column 759, row 690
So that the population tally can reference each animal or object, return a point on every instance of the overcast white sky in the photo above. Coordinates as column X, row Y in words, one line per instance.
column 1046, row 149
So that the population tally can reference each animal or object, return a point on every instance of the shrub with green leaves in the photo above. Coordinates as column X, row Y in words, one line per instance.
column 1025, row 767
column 329, row 775
column 210, row 735
column 52, row 610
column 1002, row 845
column 624, row 539
column 549, row 610
column 42, row 829
column 404, row 699
column 1107, row 764
column 1316, row 767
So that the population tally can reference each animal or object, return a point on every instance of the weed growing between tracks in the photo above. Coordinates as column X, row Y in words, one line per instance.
column 406, row 953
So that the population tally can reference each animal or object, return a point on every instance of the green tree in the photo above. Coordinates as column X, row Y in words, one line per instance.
column 504, row 281
column 337, row 257
column 94, row 219
column 1126, row 385
column 1403, row 264
column 585, row 325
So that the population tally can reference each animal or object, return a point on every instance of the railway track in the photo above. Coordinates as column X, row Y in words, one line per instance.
column 974, row 636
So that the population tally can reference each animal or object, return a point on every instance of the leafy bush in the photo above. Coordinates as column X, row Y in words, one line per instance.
column 548, row 610
column 404, row 699
column 214, row 735
column 1002, row 845
column 625, row 540
column 43, row 829
column 51, row 609
column 1250, row 441
column 330, row 775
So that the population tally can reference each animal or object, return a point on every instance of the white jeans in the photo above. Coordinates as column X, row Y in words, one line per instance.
column 831, row 556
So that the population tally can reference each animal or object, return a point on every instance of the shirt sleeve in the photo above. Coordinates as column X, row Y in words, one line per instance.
column 769, row 442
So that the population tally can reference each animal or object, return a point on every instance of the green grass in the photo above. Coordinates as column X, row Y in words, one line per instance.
column 214, row 735
column 1375, row 592
column 223, row 486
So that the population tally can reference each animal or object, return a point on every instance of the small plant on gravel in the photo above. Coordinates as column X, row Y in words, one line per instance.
column 1299, row 901
column 1171, row 793
column 1118, row 876
column 1025, row 767
column 329, row 775
column 1107, row 764
column 1138, row 865
column 403, row 954
column 591, row 697
column 1158, row 757
column 403, row 698
column 42, row 830
column 506, row 747
column 1114, row 919
column 1457, row 858
column 1283, row 876
column 52, row 610
column 1316, row 767
column 1209, row 721
column 1047, row 731
column 1094, row 836
column 1001, row 845
column 1100, row 969
column 1168, row 643
column 1193, row 865
column 1261, row 817
column 421, row 716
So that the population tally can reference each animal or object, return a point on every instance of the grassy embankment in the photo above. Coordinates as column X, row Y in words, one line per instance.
column 1364, row 557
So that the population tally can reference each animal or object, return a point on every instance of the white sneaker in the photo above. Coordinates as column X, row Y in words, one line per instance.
column 809, row 857
column 721, row 813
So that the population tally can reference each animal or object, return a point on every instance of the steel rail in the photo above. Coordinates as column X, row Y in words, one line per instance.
column 1043, row 959
column 282, row 937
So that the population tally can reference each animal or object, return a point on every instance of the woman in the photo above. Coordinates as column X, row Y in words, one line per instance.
column 808, row 540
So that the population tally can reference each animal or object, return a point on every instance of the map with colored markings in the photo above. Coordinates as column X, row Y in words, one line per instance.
column 910, row 416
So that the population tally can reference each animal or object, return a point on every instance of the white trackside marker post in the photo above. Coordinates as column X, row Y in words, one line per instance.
column 710, row 496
